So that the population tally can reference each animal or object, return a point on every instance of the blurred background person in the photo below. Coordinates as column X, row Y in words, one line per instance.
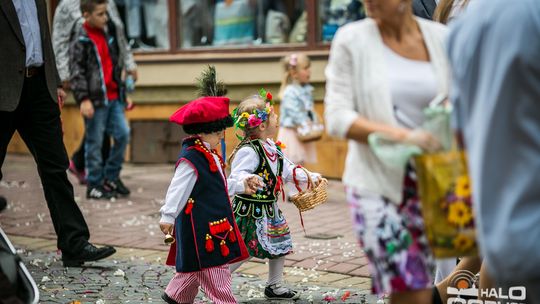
column 296, row 108
column 31, row 97
column 391, row 62
column 67, row 15
column 448, row 9
column 495, row 94
column 424, row 8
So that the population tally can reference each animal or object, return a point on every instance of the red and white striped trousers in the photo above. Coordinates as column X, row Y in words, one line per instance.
column 215, row 281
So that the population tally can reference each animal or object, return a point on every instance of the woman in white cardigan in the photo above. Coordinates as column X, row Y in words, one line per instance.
column 381, row 73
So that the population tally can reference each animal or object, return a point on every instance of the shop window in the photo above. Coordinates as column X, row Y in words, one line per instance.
column 238, row 23
column 146, row 23
column 336, row 13
column 178, row 26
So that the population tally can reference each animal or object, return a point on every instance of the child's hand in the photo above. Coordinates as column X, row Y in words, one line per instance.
column 316, row 178
column 129, row 104
column 320, row 180
column 87, row 109
column 251, row 184
column 166, row 228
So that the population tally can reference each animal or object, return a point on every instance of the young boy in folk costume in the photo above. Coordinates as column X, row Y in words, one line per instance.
column 261, row 223
column 197, row 206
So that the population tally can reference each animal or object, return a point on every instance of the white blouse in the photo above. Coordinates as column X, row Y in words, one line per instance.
column 412, row 86
column 246, row 161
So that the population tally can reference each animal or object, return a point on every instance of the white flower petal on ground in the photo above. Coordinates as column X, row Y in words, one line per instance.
column 45, row 279
column 119, row 273
column 36, row 262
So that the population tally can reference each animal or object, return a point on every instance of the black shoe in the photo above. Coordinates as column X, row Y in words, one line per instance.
column 137, row 43
column 278, row 292
column 87, row 254
column 118, row 187
column 3, row 203
column 168, row 299
column 99, row 192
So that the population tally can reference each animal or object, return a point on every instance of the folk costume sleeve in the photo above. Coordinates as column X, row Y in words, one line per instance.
column 235, row 186
column 244, row 164
column 178, row 193
column 300, row 174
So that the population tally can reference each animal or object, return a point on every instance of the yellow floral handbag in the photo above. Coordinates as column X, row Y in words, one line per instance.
column 444, row 189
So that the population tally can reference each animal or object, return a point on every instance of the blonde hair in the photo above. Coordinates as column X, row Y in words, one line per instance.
column 249, row 104
column 444, row 8
column 290, row 64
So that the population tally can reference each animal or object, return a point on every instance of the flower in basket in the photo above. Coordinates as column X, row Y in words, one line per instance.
column 459, row 214
column 463, row 242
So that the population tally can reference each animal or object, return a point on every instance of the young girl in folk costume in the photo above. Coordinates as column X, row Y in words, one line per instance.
column 261, row 223
column 197, row 205
column 296, row 108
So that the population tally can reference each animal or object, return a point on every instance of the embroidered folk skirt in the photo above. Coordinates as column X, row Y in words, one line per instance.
column 265, row 232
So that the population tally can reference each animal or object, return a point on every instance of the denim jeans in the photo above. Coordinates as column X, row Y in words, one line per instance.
column 109, row 119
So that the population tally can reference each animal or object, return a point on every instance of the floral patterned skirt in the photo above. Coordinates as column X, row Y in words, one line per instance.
column 267, row 237
column 393, row 240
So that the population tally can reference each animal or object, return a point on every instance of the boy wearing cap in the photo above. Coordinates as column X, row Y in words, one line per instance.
column 197, row 206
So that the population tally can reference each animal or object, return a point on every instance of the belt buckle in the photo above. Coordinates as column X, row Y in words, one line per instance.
column 30, row 72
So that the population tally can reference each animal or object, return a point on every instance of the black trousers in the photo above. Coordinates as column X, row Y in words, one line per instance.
column 37, row 119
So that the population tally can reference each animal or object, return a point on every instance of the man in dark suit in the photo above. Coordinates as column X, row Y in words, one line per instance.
column 30, row 102
column 424, row 8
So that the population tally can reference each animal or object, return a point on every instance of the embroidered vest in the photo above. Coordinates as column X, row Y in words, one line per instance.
column 261, row 203
column 205, row 231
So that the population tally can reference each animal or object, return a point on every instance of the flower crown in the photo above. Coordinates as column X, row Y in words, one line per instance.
column 245, row 120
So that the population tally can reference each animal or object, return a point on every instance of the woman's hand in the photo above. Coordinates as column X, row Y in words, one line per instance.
column 422, row 139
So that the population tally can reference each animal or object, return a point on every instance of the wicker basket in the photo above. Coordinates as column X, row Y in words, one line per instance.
column 312, row 196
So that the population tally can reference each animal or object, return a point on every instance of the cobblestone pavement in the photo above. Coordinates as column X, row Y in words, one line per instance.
column 135, row 276
column 326, row 258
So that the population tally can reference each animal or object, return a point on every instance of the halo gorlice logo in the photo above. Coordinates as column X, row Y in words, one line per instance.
column 462, row 289
column 462, row 284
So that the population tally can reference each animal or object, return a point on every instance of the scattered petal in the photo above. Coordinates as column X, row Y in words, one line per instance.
column 345, row 295
column 36, row 262
column 329, row 299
